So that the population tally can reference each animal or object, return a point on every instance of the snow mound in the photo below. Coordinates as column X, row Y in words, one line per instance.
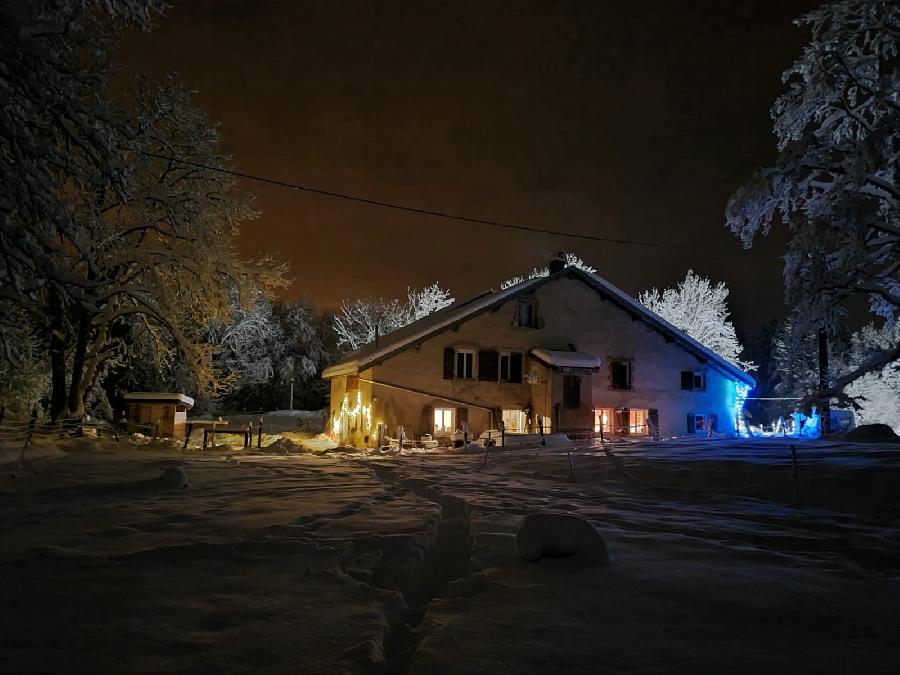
column 173, row 478
column 872, row 433
column 559, row 535
column 285, row 446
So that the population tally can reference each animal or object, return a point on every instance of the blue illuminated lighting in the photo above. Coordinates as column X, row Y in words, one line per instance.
column 741, row 392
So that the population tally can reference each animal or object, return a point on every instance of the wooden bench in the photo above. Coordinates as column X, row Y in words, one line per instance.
column 213, row 427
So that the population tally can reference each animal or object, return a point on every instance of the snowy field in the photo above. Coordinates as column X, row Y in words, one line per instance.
column 280, row 561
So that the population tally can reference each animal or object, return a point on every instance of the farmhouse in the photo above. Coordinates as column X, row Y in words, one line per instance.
column 567, row 353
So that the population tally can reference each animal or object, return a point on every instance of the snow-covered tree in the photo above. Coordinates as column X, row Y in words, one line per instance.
column 795, row 361
column 700, row 309
column 356, row 322
column 250, row 344
column 104, row 229
column 835, row 182
column 571, row 259
column 877, row 393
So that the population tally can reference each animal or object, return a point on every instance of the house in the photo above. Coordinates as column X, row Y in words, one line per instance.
column 158, row 413
column 567, row 353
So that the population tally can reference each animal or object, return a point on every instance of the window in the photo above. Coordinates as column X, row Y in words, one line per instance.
column 603, row 420
column 511, row 367
column 526, row 314
column 465, row 361
column 571, row 391
column 691, row 380
column 699, row 422
column 637, row 422
column 620, row 374
column 514, row 421
column 443, row 421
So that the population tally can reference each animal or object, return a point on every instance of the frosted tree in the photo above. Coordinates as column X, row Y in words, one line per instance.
column 571, row 259
column 111, row 235
column 834, row 185
column 250, row 344
column 876, row 395
column 357, row 321
column 700, row 309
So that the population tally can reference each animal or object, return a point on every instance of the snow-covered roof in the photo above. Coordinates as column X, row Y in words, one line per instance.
column 454, row 314
column 160, row 397
column 566, row 359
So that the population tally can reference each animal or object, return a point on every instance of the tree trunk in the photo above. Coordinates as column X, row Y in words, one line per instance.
column 57, row 357
column 75, row 403
column 825, row 404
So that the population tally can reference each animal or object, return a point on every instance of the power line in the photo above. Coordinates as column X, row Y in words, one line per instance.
column 408, row 209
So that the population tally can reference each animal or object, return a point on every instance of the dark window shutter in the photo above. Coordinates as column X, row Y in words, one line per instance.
column 428, row 419
column 515, row 367
column 449, row 358
column 487, row 365
column 653, row 416
column 714, row 422
column 691, row 429
column 687, row 379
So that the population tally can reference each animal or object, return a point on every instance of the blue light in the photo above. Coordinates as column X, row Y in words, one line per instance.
column 741, row 392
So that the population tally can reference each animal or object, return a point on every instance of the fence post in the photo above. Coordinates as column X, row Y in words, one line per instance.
column 27, row 438
column 571, row 467
column 795, row 476
column 2, row 413
column 259, row 434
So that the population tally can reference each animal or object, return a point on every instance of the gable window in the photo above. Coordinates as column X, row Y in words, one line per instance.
column 571, row 391
column 691, row 380
column 443, row 420
column 620, row 374
column 511, row 367
column 465, row 364
column 526, row 314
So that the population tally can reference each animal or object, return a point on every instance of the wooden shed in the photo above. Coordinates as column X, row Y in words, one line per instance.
column 158, row 413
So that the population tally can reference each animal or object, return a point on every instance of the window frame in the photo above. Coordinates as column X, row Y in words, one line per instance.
column 699, row 422
column 443, row 429
column 470, row 353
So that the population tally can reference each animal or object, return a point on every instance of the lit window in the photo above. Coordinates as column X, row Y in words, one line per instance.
column 464, row 365
column 514, row 421
column 699, row 422
column 443, row 420
column 637, row 421
column 603, row 420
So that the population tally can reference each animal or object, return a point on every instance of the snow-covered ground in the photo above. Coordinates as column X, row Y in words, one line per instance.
column 347, row 562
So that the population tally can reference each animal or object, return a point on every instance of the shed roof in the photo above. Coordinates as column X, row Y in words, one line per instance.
column 562, row 359
column 160, row 397
column 453, row 315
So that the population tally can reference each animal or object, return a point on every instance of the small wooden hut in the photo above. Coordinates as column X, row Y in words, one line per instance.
column 158, row 413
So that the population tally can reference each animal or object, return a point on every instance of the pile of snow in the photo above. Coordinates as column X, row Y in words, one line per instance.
column 871, row 433
column 320, row 443
column 560, row 535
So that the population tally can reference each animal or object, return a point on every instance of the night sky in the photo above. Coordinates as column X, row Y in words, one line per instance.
column 621, row 119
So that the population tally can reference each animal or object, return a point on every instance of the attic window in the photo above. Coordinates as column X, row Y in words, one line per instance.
column 526, row 314
column 693, row 381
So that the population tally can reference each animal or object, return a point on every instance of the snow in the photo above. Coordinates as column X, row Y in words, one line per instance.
column 566, row 359
column 345, row 562
column 559, row 535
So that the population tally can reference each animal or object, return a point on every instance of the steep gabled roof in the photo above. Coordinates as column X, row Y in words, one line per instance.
column 453, row 315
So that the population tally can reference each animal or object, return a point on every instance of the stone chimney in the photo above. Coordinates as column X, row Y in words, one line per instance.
column 558, row 264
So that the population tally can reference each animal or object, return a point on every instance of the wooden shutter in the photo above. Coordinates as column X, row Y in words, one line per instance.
column 653, row 417
column 515, row 367
column 462, row 417
column 571, row 391
column 487, row 365
column 687, row 379
column 427, row 420
column 449, row 358
column 691, row 429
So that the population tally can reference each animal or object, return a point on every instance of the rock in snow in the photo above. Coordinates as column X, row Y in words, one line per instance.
column 173, row 478
column 559, row 535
